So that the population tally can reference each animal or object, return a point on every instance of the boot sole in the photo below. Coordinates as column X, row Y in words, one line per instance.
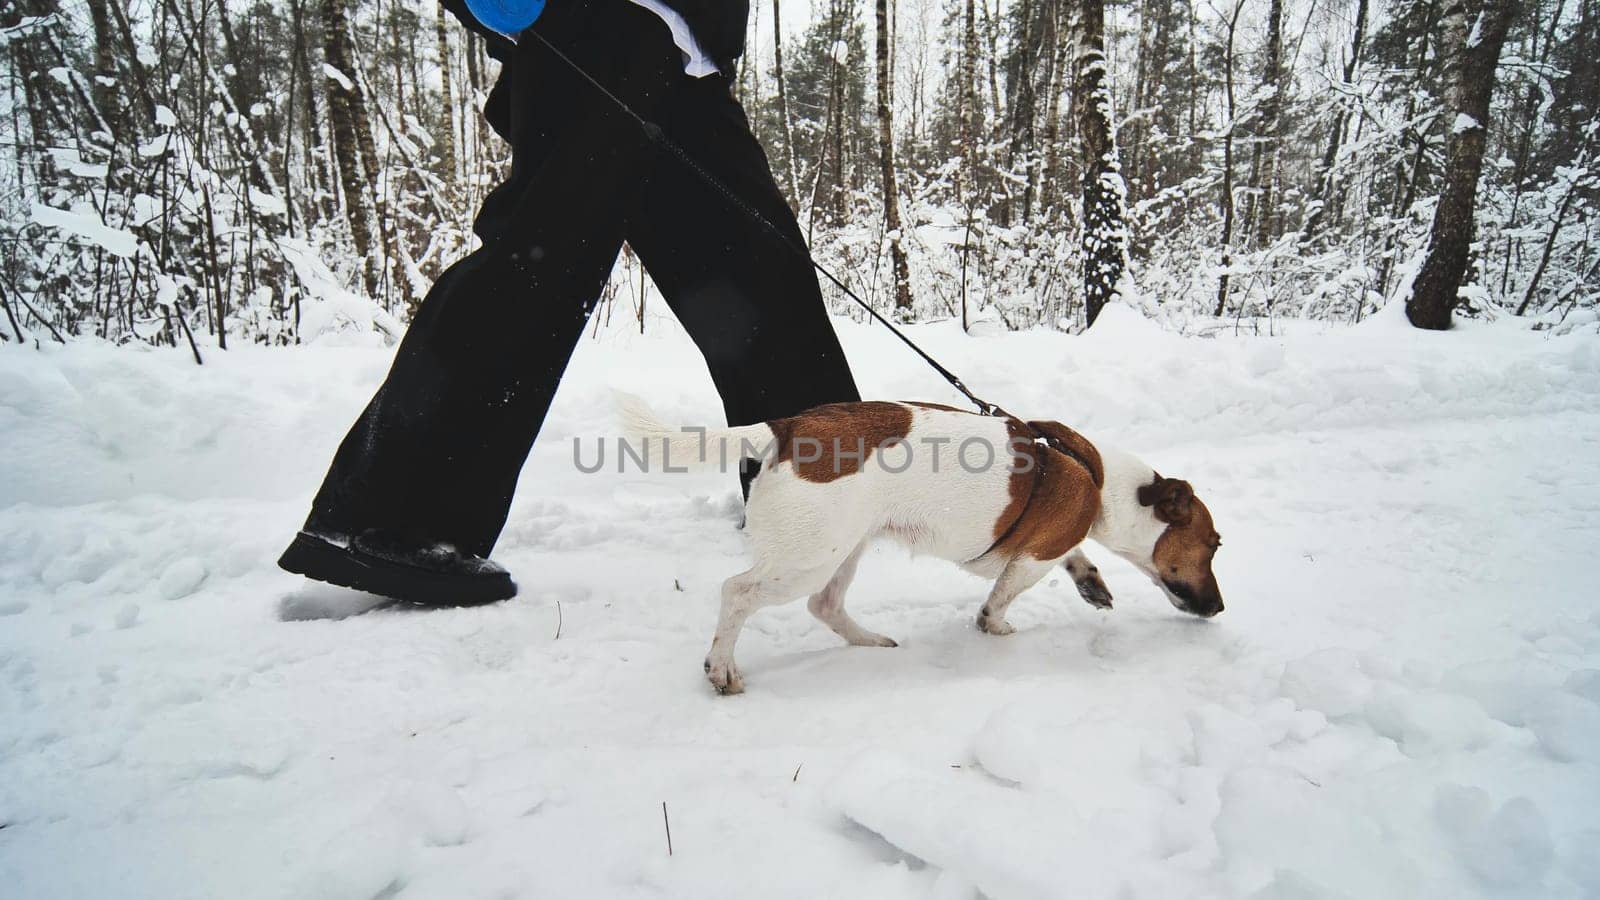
column 322, row 560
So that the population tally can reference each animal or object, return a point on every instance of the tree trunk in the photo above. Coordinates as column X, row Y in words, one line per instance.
column 1040, row 175
column 1022, row 97
column 1424, row 58
column 825, row 193
column 448, row 153
column 1330, row 156
column 1047, row 168
column 105, row 64
column 1227, row 161
column 244, row 96
column 1477, row 32
column 791, row 175
column 891, row 193
column 971, row 119
column 320, row 181
column 1105, row 230
column 343, row 111
column 1264, row 157
column 968, row 137
column 1146, row 180
column 1529, row 117
column 992, row 37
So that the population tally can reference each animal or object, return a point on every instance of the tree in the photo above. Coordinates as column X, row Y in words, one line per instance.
column 1477, row 30
column 790, row 167
column 891, row 199
column 1226, row 199
column 1264, row 156
column 352, row 136
column 1325, row 171
column 1105, row 231
column 261, row 161
column 446, row 78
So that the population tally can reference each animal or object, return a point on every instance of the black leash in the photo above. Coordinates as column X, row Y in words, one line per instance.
column 659, row 137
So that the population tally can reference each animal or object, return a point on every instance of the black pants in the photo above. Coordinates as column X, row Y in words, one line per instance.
column 436, row 454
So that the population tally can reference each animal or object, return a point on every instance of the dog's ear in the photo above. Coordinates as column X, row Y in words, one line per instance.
column 1172, row 498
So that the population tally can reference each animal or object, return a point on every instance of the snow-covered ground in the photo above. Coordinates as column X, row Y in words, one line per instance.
column 1402, row 699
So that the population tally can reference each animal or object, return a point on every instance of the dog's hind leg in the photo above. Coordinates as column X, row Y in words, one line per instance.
column 1020, row 574
column 742, row 595
column 828, row 606
column 1091, row 587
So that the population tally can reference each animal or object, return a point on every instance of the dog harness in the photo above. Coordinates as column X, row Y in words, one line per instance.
column 1039, row 460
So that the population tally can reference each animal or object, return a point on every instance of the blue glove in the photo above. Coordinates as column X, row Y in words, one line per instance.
column 509, row 17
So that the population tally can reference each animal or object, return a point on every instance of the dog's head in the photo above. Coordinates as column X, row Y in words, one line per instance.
column 1180, row 560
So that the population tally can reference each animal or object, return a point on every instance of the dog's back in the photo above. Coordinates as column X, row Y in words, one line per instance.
column 933, row 478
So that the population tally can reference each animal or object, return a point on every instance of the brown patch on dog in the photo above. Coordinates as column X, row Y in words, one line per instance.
column 1065, row 501
column 1183, row 554
column 1077, row 443
column 1020, row 485
column 1173, row 499
column 1184, row 551
column 828, row 442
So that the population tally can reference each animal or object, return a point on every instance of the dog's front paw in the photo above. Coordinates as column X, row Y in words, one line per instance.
column 725, row 677
column 1095, row 592
column 998, row 627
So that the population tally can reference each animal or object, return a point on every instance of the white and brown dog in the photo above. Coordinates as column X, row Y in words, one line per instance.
column 1004, row 499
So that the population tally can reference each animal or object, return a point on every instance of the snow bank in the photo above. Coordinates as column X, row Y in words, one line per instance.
column 1402, row 700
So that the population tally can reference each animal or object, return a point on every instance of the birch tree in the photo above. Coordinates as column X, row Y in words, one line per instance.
column 1476, row 30
column 891, row 191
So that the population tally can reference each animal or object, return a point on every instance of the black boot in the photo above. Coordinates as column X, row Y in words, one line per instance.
column 413, row 572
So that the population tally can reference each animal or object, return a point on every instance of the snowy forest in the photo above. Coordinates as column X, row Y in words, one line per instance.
column 201, row 172
column 1323, row 273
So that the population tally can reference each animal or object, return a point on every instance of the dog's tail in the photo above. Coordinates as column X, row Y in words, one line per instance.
column 678, row 447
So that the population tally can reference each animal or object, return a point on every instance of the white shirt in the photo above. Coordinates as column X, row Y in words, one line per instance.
column 695, row 61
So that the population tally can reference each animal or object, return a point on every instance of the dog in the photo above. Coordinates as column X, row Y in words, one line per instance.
column 1006, row 500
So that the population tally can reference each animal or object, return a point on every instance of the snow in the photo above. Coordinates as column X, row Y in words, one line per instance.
column 343, row 79
column 330, row 312
column 155, row 146
column 86, row 223
column 267, row 203
column 69, row 160
column 1463, row 123
column 1402, row 699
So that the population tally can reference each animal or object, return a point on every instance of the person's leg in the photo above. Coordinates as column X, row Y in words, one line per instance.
column 751, row 304
column 434, row 458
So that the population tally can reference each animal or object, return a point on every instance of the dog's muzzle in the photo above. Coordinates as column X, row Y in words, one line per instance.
column 1195, row 603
